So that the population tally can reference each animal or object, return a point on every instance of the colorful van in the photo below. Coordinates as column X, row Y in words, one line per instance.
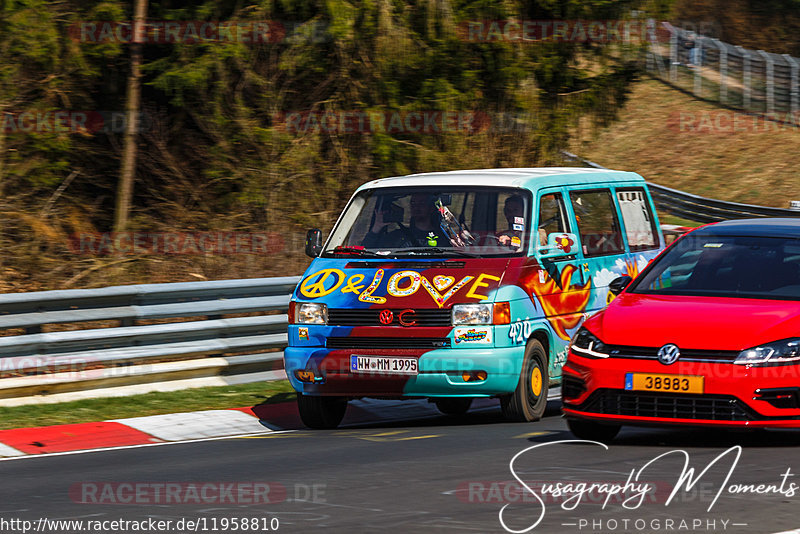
column 459, row 285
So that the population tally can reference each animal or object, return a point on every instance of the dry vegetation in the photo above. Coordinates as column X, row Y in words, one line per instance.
column 754, row 167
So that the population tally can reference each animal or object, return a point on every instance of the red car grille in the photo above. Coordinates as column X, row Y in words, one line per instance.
column 668, row 406
column 687, row 355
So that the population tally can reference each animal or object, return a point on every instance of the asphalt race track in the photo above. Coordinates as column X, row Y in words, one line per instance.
column 421, row 473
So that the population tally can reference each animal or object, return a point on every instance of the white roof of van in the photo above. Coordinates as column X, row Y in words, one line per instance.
column 503, row 177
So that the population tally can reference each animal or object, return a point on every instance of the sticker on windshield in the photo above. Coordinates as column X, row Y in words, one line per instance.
column 519, row 220
column 712, row 245
column 519, row 227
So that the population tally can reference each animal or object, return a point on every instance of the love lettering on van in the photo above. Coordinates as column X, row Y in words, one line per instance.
column 401, row 284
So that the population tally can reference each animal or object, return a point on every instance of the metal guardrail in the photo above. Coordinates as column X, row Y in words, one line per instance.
column 697, row 208
column 44, row 363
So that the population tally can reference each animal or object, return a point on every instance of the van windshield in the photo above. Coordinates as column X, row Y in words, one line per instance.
column 409, row 221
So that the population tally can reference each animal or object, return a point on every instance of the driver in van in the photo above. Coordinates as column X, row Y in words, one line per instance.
column 514, row 210
column 422, row 231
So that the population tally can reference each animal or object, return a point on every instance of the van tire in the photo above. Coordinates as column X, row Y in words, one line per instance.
column 453, row 405
column 321, row 412
column 529, row 400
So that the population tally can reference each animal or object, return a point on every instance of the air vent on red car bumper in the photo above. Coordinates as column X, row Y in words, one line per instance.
column 572, row 387
column 668, row 406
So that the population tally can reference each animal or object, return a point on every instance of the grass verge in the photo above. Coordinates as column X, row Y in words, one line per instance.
column 187, row 400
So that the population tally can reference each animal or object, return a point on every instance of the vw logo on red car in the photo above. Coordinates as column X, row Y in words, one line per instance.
column 386, row 317
column 669, row 354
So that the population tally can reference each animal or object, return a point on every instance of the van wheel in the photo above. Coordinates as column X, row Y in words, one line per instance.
column 593, row 431
column 453, row 405
column 529, row 400
column 321, row 412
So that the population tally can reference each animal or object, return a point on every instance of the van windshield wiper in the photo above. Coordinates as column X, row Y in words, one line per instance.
column 436, row 250
column 355, row 251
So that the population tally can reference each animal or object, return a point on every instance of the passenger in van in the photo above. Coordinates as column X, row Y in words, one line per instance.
column 550, row 219
column 513, row 209
column 423, row 229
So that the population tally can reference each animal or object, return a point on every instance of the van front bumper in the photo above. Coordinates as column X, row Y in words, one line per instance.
column 440, row 372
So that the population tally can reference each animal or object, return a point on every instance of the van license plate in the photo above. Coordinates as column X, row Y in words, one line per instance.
column 383, row 365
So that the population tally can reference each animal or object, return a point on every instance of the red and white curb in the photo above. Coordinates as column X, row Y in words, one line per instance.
column 201, row 426
column 154, row 429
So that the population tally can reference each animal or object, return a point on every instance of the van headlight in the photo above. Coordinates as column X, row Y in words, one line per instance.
column 311, row 313
column 587, row 344
column 472, row 313
column 775, row 353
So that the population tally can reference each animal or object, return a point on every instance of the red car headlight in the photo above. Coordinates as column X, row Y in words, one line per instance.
column 587, row 344
column 785, row 351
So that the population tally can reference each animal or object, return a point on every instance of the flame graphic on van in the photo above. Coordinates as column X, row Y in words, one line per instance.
column 562, row 304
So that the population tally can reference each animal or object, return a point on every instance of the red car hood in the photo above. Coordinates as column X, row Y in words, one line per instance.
column 703, row 323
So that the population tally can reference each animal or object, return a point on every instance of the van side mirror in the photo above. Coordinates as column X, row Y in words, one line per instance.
column 559, row 245
column 313, row 242
column 618, row 284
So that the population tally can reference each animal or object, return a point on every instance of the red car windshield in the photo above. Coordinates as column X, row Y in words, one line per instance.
column 726, row 266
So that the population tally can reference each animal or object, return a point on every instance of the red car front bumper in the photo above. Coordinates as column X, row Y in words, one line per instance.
column 732, row 395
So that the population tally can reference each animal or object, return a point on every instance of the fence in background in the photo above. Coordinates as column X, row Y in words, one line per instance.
column 751, row 80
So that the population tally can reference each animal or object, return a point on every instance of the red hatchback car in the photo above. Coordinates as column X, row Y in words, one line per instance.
column 708, row 334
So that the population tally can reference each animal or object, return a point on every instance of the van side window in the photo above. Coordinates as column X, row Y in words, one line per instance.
column 552, row 216
column 598, row 222
column 637, row 218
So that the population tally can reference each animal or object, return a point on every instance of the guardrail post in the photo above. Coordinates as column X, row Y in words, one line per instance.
column 698, row 64
column 745, row 76
column 673, row 53
column 795, row 104
column 770, row 73
column 723, row 70
column 654, row 61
